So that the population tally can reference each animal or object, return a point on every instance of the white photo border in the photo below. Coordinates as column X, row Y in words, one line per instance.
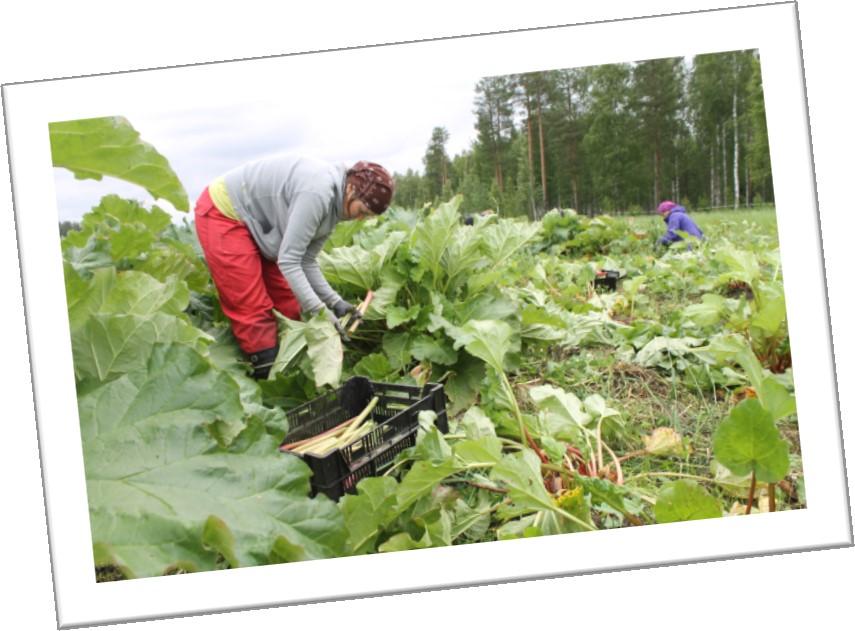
column 825, row 523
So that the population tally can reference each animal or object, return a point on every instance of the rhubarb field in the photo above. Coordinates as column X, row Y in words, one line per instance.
column 570, row 408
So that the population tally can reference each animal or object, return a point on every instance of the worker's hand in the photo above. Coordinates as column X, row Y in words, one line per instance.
column 342, row 308
column 338, row 327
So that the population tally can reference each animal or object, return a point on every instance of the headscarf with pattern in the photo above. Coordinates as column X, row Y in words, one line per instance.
column 373, row 185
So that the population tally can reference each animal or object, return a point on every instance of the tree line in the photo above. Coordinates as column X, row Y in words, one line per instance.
column 615, row 138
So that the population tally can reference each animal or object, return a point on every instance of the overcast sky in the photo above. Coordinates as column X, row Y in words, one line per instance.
column 202, row 141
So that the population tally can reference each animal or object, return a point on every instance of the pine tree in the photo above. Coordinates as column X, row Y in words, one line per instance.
column 436, row 163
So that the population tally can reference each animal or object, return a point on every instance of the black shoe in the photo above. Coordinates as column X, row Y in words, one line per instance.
column 262, row 361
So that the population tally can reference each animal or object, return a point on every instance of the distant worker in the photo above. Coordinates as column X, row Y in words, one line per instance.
column 469, row 220
column 262, row 226
column 676, row 219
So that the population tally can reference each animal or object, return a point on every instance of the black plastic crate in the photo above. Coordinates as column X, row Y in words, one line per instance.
column 396, row 416
column 606, row 279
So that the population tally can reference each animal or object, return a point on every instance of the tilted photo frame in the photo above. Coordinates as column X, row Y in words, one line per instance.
column 823, row 522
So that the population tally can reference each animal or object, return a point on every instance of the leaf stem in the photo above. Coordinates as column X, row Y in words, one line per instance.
column 751, row 490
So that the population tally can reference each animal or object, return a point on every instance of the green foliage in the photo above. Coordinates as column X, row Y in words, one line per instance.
column 157, row 474
column 749, row 441
column 96, row 147
column 180, row 446
column 684, row 500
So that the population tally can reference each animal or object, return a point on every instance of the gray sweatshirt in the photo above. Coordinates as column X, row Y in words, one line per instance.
column 291, row 205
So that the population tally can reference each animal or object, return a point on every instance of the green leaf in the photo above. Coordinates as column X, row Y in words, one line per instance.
column 486, row 450
column 325, row 351
column 707, row 312
column 476, row 424
column 286, row 551
column 138, row 293
column 773, row 310
column 464, row 383
column 107, row 345
column 504, row 239
column 519, row 528
column 660, row 349
column 94, row 147
column 291, row 343
column 604, row 491
column 748, row 440
column 86, row 297
column 736, row 348
column 684, row 500
column 352, row 265
column 397, row 315
column 488, row 340
column 432, row 237
column 742, row 265
column 92, row 255
column 438, row 351
column 386, row 296
column 162, row 491
column 420, row 480
column 463, row 256
column 470, row 522
column 375, row 366
column 520, row 472
column 539, row 324
column 776, row 398
column 120, row 231
column 559, row 407
column 217, row 536
column 595, row 404
column 357, row 266
column 402, row 541
column 366, row 512
column 431, row 444
column 116, row 318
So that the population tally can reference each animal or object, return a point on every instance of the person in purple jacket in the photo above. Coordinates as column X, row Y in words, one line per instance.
column 676, row 218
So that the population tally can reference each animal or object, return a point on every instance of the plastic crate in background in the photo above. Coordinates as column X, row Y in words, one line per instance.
column 606, row 279
column 396, row 416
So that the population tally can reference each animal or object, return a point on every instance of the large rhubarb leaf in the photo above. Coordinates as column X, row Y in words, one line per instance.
column 505, row 239
column 162, row 491
column 108, row 345
column 321, row 343
column 520, row 473
column 358, row 266
column 94, row 147
column 463, row 256
column 433, row 236
column 488, row 340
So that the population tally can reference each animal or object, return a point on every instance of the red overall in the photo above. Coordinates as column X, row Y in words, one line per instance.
column 249, row 285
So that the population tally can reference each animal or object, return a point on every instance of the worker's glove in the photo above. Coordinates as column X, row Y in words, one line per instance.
column 342, row 308
column 338, row 326
column 262, row 361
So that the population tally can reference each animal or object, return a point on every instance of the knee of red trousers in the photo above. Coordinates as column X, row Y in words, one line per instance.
column 254, row 331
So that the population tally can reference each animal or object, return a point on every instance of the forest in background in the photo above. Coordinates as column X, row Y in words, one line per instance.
column 616, row 138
